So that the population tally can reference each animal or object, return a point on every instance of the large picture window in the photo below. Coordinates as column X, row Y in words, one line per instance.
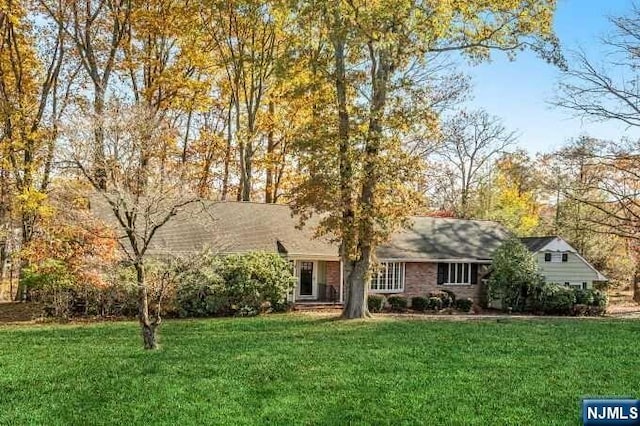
column 388, row 277
column 457, row 273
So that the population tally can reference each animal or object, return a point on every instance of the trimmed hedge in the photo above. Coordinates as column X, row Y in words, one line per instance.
column 435, row 303
column 463, row 305
column 555, row 299
column 398, row 303
column 419, row 303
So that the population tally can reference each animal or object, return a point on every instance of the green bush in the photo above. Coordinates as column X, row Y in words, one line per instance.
column 201, row 293
column 464, row 305
column 50, row 284
column 584, row 297
column 434, row 303
column 255, row 279
column 419, row 303
column 600, row 299
column 514, row 275
column 549, row 298
column 398, row 303
column 243, row 285
column 375, row 302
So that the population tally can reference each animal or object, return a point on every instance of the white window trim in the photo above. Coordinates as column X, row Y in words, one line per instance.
column 393, row 276
column 453, row 267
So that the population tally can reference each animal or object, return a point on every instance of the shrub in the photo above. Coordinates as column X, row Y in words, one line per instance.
column 600, row 299
column 464, row 305
column 242, row 285
column 452, row 296
column 252, row 279
column 434, row 303
column 552, row 298
column 62, row 296
column 580, row 310
column 375, row 302
column 201, row 293
column 398, row 303
column 584, row 297
column 419, row 303
column 282, row 306
column 514, row 274
column 445, row 298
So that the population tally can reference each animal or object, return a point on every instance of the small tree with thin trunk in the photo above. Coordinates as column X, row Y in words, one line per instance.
column 145, row 187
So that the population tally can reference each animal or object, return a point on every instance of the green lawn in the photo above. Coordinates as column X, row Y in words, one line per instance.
column 288, row 369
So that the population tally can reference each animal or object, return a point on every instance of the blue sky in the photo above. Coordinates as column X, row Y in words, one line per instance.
column 519, row 92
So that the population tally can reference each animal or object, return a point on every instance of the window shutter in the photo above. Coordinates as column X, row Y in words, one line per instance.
column 443, row 270
column 547, row 257
column 565, row 257
column 474, row 273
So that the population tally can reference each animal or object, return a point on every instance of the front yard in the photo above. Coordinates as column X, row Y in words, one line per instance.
column 301, row 369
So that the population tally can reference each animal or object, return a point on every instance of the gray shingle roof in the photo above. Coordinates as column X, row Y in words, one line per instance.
column 440, row 238
column 235, row 227
column 536, row 243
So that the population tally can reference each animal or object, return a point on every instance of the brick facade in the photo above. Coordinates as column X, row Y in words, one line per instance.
column 420, row 279
column 333, row 275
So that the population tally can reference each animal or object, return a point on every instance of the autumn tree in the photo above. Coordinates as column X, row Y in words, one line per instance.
column 244, row 37
column 97, row 29
column 35, row 82
column 145, row 186
column 512, row 197
column 373, row 47
column 470, row 143
column 609, row 92
column 569, row 175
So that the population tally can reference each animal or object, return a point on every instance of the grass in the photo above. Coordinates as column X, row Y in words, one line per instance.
column 294, row 369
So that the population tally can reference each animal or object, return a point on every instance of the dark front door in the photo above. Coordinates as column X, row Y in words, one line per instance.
column 306, row 279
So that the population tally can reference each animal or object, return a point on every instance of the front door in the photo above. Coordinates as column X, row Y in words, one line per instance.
column 306, row 279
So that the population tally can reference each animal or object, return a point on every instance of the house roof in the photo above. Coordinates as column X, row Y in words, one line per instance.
column 535, row 244
column 235, row 227
column 430, row 238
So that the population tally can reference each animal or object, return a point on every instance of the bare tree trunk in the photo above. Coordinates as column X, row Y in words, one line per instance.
column 636, row 283
column 247, row 165
column 100, row 172
column 227, row 156
column 269, row 190
column 148, row 327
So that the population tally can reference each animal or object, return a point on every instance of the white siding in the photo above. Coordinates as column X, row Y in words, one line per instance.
column 575, row 270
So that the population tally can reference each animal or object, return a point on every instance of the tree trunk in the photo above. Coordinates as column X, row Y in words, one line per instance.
column 636, row 283
column 269, row 192
column 247, row 171
column 147, row 326
column 359, row 280
column 227, row 156
column 357, row 285
column 100, row 171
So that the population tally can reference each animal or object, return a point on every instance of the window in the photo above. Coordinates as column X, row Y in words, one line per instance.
column 565, row 257
column 457, row 273
column 389, row 278
column 556, row 257
column 567, row 283
column 547, row 257
column 584, row 285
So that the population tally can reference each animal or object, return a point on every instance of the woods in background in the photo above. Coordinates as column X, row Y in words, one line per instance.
column 351, row 110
